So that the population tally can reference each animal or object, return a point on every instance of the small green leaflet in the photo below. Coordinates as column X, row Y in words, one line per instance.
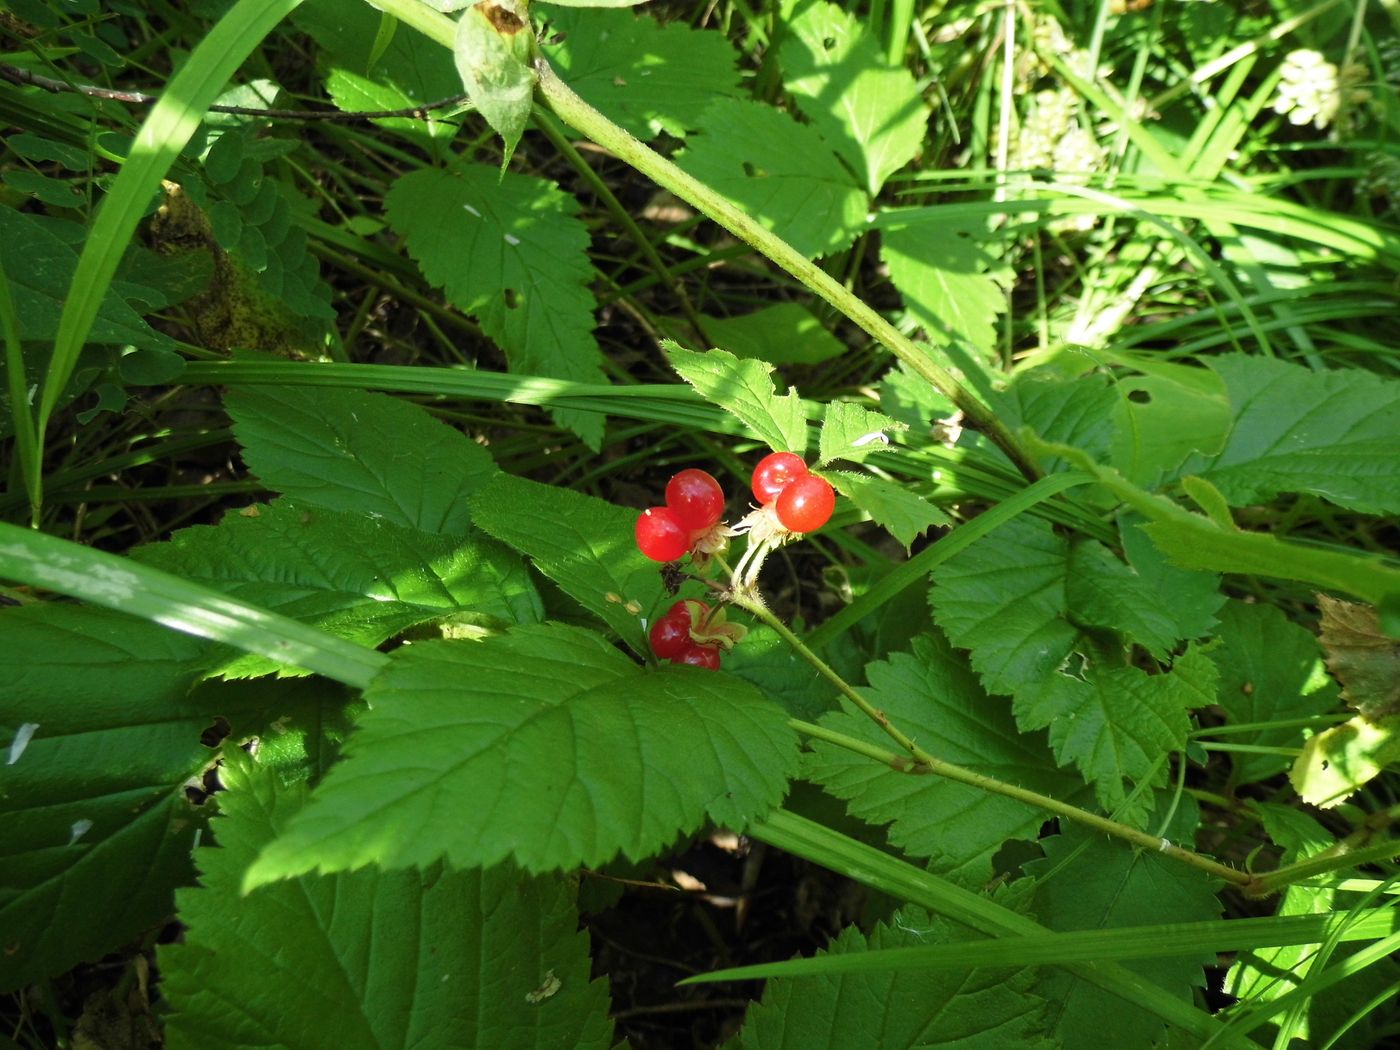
column 1087, row 881
column 510, row 250
column 1332, row 434
column 1163, row 417
column 981, row 1010
column 943, row 274
column 932, row 695
column 544, row 745
column 582, row 543
column 780, row 172
column 459, row 958
column 346, row 573
column 745, row 390
column 871, row 112
column 645, row 76
column 1078, row 411
column 369, row 454
column 852, row 432
column 890, row 504
column 1338, row 761
column 492, row 52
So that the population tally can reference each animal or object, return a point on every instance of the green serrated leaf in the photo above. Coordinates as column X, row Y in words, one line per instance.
column 871, row 112
column 1103, row 592
column 1076, row 412
column 852, row 432
column 781, row 334
column 366, row 453
column 1116, row 724
column 933, row 696
column 389, row 959
column 1331, row 434
column 101, row 726
column 545, row 745
column 1089, row 882
column 1007, row 599
column 943, row 274
column 510, row 250
column 889, row 503
column 1270, row 671
column 492, row 51
column 981, row 1010
column 744, row 389
column 358, row 578
column 582, row 543
column 912, row 399
column 780, row 172
column 645, row 76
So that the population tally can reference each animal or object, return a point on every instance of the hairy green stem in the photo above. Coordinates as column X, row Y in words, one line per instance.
column 921, row 762
column 579, row 115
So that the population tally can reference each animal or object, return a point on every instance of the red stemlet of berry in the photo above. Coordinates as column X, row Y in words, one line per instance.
column 774, row 473
column 660, row 536
column 695, row 499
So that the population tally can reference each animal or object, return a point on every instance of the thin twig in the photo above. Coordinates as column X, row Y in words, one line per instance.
column 25, row 77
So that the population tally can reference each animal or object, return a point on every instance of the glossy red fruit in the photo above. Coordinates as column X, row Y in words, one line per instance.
column 660, row 536
column 774, row 473
column 670, row 635
column 695, row 498
column 706, row 656
column 805, row 505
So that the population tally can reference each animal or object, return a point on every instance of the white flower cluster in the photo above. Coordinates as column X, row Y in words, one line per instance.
column 1053, row 137
column 1314, row 91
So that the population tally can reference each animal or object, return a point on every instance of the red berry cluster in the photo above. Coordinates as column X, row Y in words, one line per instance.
column 804, row 501
column 671, row 637
column 694, row 505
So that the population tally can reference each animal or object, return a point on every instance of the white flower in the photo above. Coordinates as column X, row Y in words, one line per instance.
column 1312, row 90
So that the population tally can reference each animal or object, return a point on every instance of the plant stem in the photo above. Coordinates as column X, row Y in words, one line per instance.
column 921, row 762
column 579, row 115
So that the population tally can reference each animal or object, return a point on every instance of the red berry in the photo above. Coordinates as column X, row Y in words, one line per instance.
column 706, row 656
column 774, row 473
column 695, row 498
column 660, row 536
column 806, row 504
column 670, row 635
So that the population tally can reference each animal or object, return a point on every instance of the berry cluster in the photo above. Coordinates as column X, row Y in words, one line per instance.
column 802, row 501
column 692, row 633
column 689, row 520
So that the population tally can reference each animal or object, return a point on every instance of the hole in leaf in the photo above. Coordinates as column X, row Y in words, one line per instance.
column 828, row 43
column 1139, row 397
column 512, row 298
column 215, row 733
column 749, row 169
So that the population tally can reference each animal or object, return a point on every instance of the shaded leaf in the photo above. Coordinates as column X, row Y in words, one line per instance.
column 981, row 1010
column 934, row 697
column 582, row 543
column 944, row 276
column 371, row 959
column 354, row 576
column 366, row 453
column 1163, row 417
column 781, row 334
column 510, row 250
